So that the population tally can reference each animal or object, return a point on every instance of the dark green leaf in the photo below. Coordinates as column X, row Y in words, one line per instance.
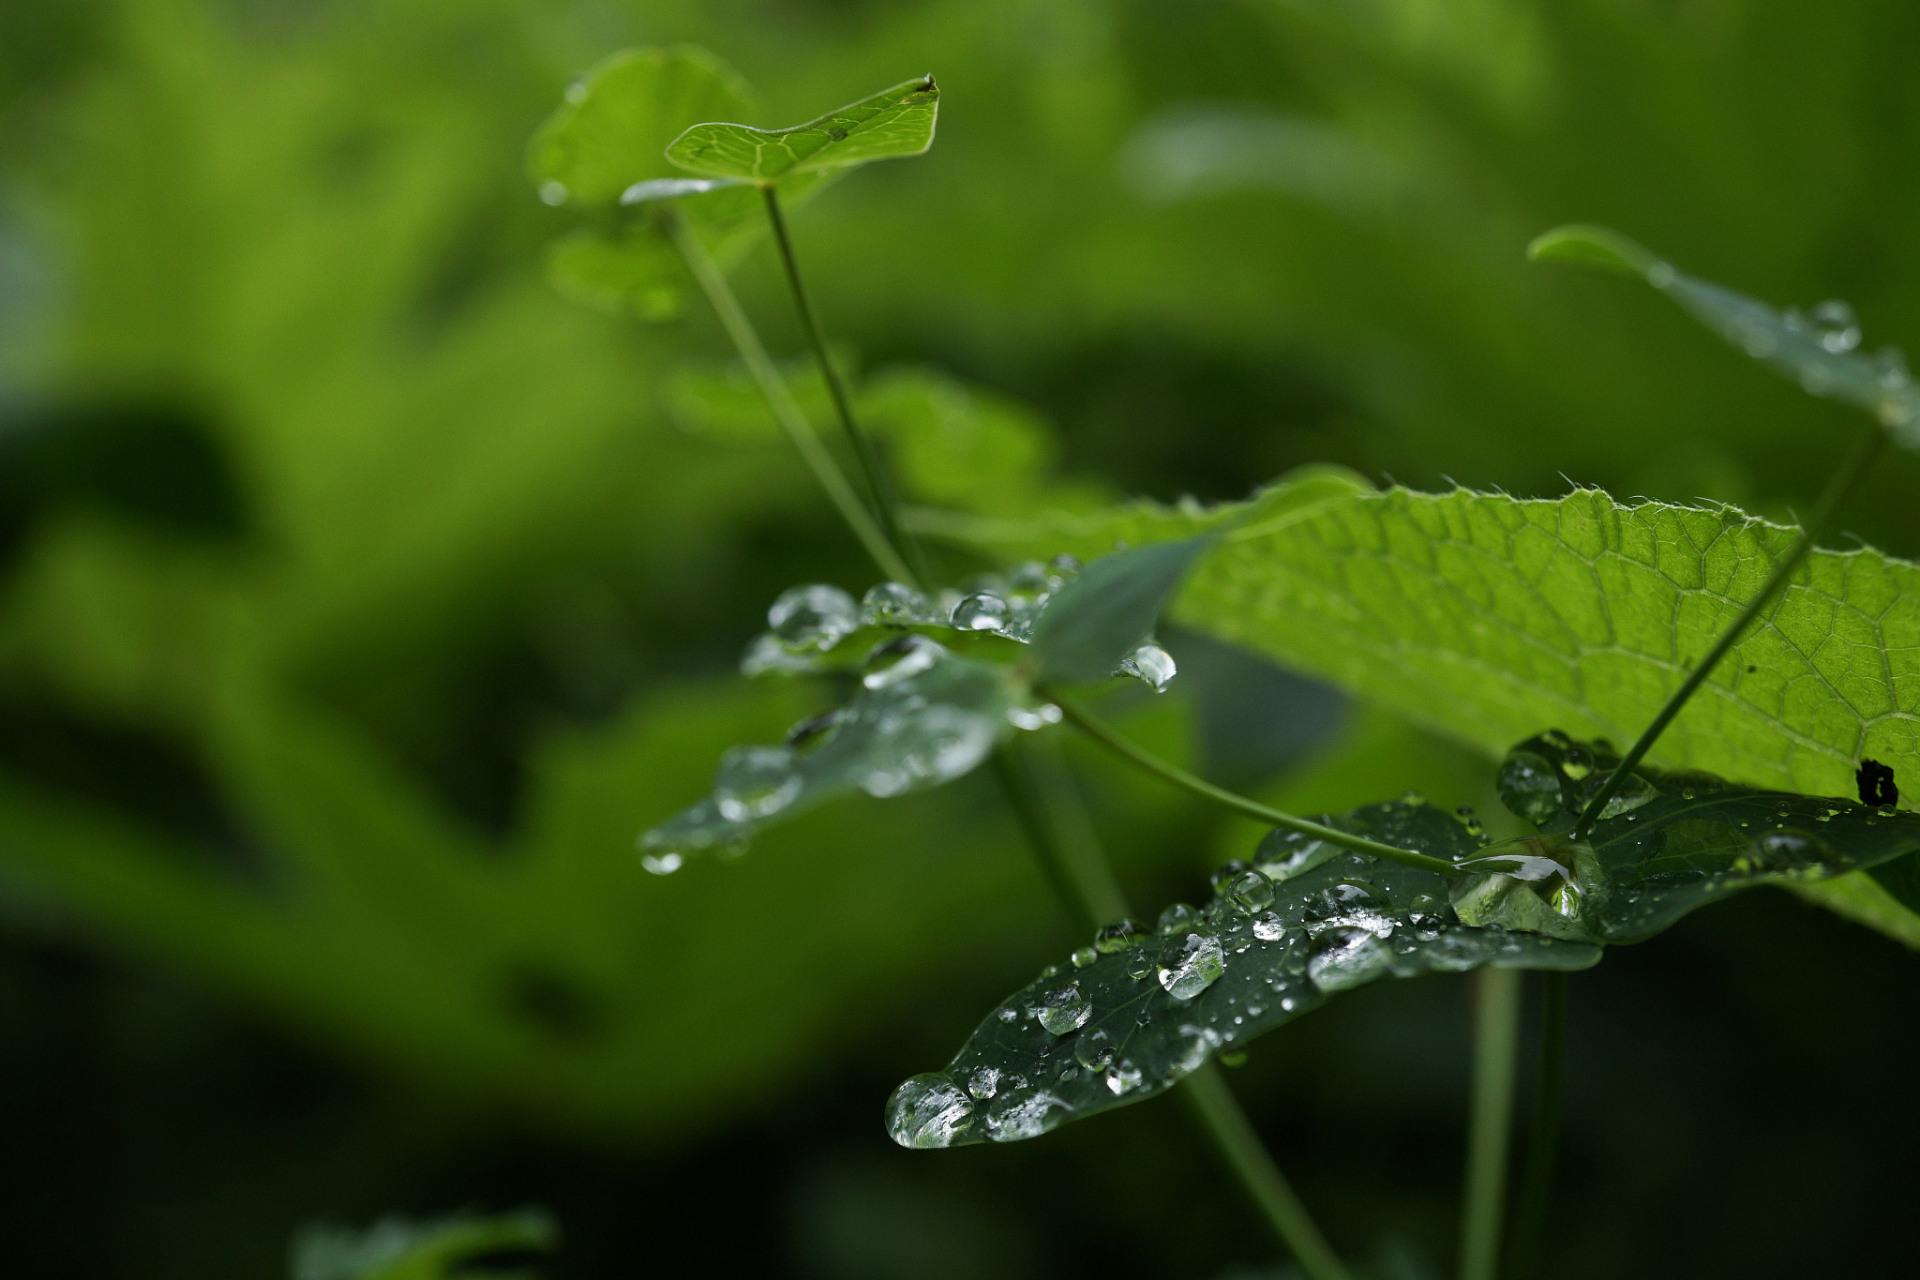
column 894, row 122
column 1817, row 350
column 399, row 1249
column 1132, row 1014
column 1094, row 622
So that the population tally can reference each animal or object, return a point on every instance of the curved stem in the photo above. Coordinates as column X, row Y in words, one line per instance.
column 1240, row 804
column 1496, row 1039
column 876, row 476
column 1851, row 470
column 1543, row 1138
column 779, row 398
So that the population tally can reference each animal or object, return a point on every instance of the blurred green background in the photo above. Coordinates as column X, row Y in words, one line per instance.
column 361, row 599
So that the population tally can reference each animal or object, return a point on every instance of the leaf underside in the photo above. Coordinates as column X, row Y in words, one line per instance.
column 1131, row 1016
column 894, row 122
column 1108, row 611
column 400, row 1249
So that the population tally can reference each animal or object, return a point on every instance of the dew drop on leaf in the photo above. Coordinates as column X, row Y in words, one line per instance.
column 1117, row 936
column 894, row 604
column 1084, row 957
column 1063, row 1009
column 1093, row 1049
column 662, row 864
column 982, row 611
column 1153, row 664
column 984, row 1082
column 755, row 782
column 928, row 1111
column 1191, row 965
column 1270, row 927
column 1250, row 892
column 1176, row 917
column 1633, row 792
column 900, row 658
column 1530, row 786
column 814, row 617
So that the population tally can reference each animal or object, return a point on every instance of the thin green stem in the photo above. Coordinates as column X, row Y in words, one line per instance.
column 1220, row 1114
column 1543, row 1138
column 1838, row 488
column 1496, row 1041
column 877, row 484
column 1179, row 777
column 779, row 397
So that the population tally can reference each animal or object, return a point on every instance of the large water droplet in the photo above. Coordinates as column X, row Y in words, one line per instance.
column 894, row 604
column 1283, row 854
column 1018, row 1114
column 1093, row 1049
column 932, row 744
column 817, row 616
column 900, row 658
column 1250, row 892
column 1085, row 958
column 755, row 782
column 984, row 1082
column 1118, row 936
column 1191, row 965
column 1124, row 1078
column 1836, row 327
column 1270, row 927
column 1530, row 786
column 1063, row 1009
column 982, row 611
column 928, row 1111
column 1348, row 958
column 1153, row 664
column 1633, row 792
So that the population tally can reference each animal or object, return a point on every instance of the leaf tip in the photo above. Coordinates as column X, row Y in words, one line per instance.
column 1593, row 246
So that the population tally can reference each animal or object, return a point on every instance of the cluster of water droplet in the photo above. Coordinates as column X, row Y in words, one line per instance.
column 1139, row 1008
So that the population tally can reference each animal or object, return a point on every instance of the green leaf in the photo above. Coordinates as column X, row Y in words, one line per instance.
column 924, row 717
column 398, row 1249
column 1817, row 350
column 1669, row 842
column 630, row 270
column 1095, row 621
column 894, row 122
column 1485, row 616
column 612, row 132
column 1131, row 1015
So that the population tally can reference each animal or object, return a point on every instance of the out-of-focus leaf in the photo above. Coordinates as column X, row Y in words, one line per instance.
column 630, row 270
column 612, row 132
column 1191, row 152
column 400, row 1249
column 1667, row 843
column 1107, row 612
column 1132, row 1014
column 1486, row 616
column 1819, row 350
column 894, row 122
column 925, row 717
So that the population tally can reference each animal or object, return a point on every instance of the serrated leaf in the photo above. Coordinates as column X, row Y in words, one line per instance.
column 1817, row 350
column 1670, row 842
column 1130, row 1017
column 1095, row 621
column 927, row 718
column 612, row 132
column 1486, row 616
column 400, row 1249
column 894, row 122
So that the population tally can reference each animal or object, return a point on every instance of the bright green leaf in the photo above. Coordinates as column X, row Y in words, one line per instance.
column 1138, row 1010
column 894, row 122
column 1817, row 350
column 1486, row 616
column 399, row 1249
column 1107, row 612
column 612, row 132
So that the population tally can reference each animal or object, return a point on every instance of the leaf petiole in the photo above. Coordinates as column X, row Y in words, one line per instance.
column 1496, row 1042
column 1179, row 777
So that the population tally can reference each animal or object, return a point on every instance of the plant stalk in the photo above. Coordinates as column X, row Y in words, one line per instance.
column 878, row 487
column 1852, row 469
column 779, row 398
column 1496, row 1041
column 1543, row 1138
column 1179, row 777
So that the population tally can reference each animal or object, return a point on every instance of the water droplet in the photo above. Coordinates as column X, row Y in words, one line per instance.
column 1029, row 579
column 755, row 782
column 1191, row 965
column 1523, row 859
column 662, row 864
column 1342, row 898
column 1032, row 718
column 894, row 604
column 1093, row 1049
column 1347, row 958
column 1633, row 792
column 901, row 658
column 1226, row 875
column 1009, row 1015
column 1118, row 936
column 984, row 1082
column 1284, row 854
column 928, row 1111
column 1779, row 851
column 1084, row 957
column 1270, row 927
column 1064, row 565
column 1530, row 786
column 1153, row 664
column 1177, row 917
column 1250, row 892
column 1017, row 1114
column 814, row 617
column 982, row 611
column 554, row 193
column 1836, row 327
column 1063, row 1009
column 1123, row 1079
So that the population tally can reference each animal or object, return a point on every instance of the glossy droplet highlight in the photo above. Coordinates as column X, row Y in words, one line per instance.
column 1063, row 1009
column 982, row 611
column 1633, row 792
column 928, row 1111
column 1152, row 664
column 894, row 604
column 662, row 864
column 1177, row 917
column 1118, row 936
column 900, row 658
column 1191, row 965
column 1093, row 1049
column 1530, row 786
column 1085, row 957
column 814, row 617
column 984, row 1082
column 1836, row 327
column 1250, row 892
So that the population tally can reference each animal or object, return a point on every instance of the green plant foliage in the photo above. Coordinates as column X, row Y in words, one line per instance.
column 1140, row 1008
column 1100, row 618
column 1666, row 844
column 1486, row 616
column 894, row 122
column 1818, row 350
column 399, row 1249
